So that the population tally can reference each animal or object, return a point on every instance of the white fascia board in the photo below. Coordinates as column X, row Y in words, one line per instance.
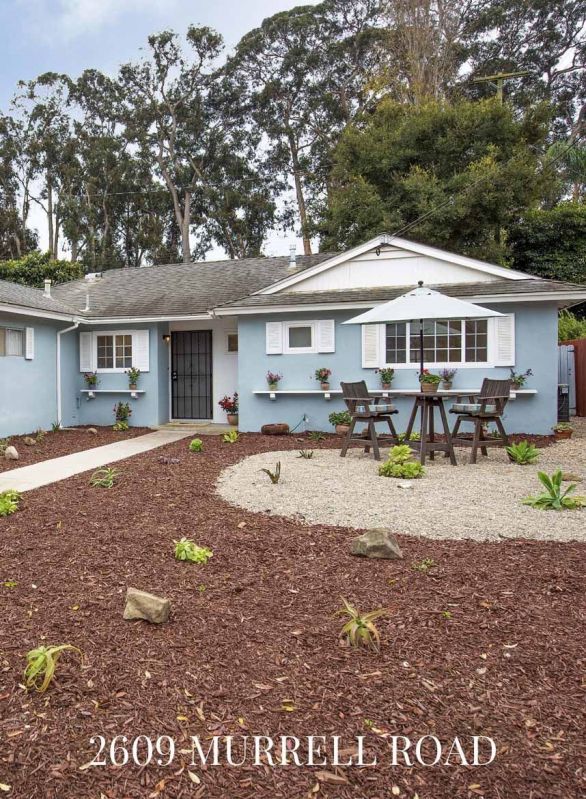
column 22, row 310
column 573, row 298
column 395, row 241
column 130, row 320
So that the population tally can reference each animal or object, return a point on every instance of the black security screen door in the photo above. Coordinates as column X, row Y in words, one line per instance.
column 191, row 374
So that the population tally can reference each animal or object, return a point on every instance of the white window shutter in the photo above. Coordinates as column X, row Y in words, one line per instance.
column 140, row 350
column 86, row 352
column 274, row 338
column 326, row 335
column 29, row 347
column 371, row 346
column 504, row 340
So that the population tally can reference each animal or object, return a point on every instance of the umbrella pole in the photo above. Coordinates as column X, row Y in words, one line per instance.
column 420, row 347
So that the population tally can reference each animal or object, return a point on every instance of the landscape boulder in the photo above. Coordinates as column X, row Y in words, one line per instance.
column 30, row 442
column 93, row 431
column 571, row 477
column 376, row 543
column 141, row 605
column 11, row 454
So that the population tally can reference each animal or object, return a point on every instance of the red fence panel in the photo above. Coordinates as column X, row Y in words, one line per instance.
column 580, row 361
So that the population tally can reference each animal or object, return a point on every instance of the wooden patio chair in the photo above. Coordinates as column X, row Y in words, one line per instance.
column 488, row 406
column 369, row 410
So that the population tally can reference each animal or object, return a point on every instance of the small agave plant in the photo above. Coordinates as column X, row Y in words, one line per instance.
column 41, row 665
column 360, row 629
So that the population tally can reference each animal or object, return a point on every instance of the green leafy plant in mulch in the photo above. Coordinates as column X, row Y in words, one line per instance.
column 273, row 476
column 41, row 665
column 307, row 454
column 9, row 501
column 359, row 629
column 554, row 497
column 122, row 414
column 231, row 437
column 120, row 427
column 56, row 427
column 424, row 565
column 187, row 550
column 412, row 437
column 196, row 445
column 9, row 584
column 104, row 478
column 40, row 435
column 317, row 436
column 4, row 443
column 400, row 464
column 522, row 453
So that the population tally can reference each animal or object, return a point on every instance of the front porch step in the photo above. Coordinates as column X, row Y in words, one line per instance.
column 195, row 428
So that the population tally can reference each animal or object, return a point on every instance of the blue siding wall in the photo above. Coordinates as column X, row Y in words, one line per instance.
column 28, row 395
column 151, row 408
column 536, row 348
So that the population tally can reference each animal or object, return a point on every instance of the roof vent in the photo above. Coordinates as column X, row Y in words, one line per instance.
column 293, row 256
column 47, row 291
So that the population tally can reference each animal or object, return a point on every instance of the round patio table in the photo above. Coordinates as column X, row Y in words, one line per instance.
column 426, row 405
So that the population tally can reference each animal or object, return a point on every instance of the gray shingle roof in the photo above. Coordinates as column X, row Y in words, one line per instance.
column 27, row 297
column 384, row 293
column 178, row 289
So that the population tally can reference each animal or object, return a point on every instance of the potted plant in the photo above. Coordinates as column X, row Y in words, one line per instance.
column 273, row 380
column 447, row 378
column 122, row 413
column 322, row 376
column 429, row 382
column 386, row 376
column 91, row 379
column 562, row 430
column 230, row 406
column 133, row 378
column 341, row 421
column 519, row 380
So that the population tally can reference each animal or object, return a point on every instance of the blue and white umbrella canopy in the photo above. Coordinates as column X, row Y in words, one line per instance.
column 419, row 305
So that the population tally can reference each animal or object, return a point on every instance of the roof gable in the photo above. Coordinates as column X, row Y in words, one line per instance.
column 392, row 261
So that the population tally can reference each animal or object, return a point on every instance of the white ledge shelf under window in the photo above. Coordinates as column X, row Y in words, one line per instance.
column 405, row 392
column 92, row 392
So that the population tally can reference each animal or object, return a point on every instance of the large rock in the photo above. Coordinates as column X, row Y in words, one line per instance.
column 11, row 454
column 141, row 605
column 92, row 430
column 377, row 543
column 30, row 442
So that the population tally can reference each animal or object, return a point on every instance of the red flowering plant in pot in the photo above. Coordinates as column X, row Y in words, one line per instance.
column 230, row 406
column 322, row 375
column 429, row 382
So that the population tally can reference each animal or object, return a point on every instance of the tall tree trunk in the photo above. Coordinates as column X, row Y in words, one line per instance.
column 185, row 225
column 299, row 194
column 74, row 250
column 50, row 218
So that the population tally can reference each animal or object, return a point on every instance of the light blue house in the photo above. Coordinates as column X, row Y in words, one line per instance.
column 198, row 332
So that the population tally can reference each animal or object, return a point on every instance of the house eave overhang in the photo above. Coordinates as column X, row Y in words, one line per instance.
column 23, row 310
column 129, row 320
column 563, row 299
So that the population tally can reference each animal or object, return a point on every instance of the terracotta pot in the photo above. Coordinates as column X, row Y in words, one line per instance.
column 560, row 435
column 278, row 429
column 133, row 386
column 325, row 386
column 446, row 385
column 429, row 388
column 342, row 429
column 232, row 418
column 386, row 386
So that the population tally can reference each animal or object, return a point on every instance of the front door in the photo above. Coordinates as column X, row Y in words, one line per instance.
column 191, row 374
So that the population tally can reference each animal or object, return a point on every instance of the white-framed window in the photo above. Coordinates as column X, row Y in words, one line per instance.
column 299, row 337
column 445, row 343
column 12, row 342
column 113, row 350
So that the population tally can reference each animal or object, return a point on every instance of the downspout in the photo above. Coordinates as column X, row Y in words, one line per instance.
column 59, row 334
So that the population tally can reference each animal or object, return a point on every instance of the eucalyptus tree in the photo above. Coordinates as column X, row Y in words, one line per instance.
column 300, row 79
column 16, row 239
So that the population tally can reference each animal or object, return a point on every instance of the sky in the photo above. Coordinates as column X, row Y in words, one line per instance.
column 72, row 35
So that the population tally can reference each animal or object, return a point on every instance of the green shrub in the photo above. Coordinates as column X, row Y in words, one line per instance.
column 555, row 498
column 231, row 437
column 187, row 550
column 403, row 471
column 523, row 453
column 570, row 327
column 196, row 445
column 104, row 478
column 9, row 501
column 413, row 437
column 340, row 417
column 120, row 426
column 4, row 442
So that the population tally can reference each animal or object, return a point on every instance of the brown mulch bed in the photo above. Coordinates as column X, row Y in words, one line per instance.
column 64, row 442
column 489, row 641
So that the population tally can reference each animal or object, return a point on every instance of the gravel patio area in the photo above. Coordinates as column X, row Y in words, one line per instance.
column 481, row 501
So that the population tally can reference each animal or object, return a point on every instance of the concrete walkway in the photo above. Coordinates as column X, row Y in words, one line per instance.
column 40, row 474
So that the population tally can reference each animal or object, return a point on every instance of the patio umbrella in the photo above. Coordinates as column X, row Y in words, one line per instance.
column 422, row 304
